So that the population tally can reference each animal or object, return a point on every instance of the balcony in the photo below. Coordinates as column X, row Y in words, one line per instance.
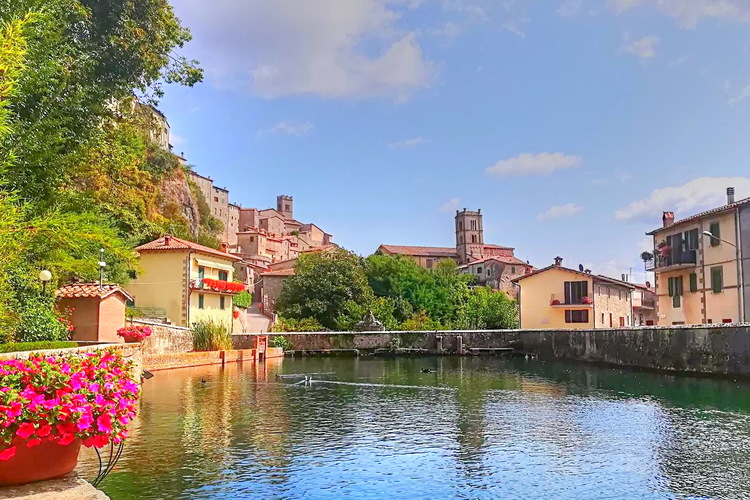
column 645, row 304
column 673, row 259
column 558, row 300
column 218, row 286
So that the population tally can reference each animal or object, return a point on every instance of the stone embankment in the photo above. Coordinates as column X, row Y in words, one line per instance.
column 69, row 487
column 706, row 349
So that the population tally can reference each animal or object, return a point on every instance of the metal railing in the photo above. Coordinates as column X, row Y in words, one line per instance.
column 671, row 258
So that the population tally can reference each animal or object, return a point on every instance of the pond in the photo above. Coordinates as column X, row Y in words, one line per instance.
column 434, row 428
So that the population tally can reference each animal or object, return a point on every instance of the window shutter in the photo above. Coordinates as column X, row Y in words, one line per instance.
column 693, row 282
column 716, row 231
column 717, row 279
column 671, row 286
column 678, row 281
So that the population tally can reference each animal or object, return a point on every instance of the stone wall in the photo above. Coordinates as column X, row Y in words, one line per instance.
column 707, row 349
column 165, row 339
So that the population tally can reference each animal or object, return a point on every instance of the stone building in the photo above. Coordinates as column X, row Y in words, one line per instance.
column 492, row 265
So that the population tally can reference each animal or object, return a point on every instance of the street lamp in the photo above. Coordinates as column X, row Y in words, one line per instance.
column 44, row 277
column 711, row 235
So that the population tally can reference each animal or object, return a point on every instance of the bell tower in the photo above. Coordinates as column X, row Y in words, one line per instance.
column 285, row 206
column 469, row 236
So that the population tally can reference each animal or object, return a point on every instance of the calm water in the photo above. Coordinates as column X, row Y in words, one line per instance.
column 475, row 428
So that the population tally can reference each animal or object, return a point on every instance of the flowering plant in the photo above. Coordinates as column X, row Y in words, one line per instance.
column 90, row 397
column 224, row 286
column 137, row 332
column 586, row 300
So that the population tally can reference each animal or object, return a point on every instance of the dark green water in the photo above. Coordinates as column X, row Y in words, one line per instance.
column 475, row 428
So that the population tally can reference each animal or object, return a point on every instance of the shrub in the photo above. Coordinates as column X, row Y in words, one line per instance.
column 297, row 325
column 35, row 346
column 420, row 322
column 210, row 335
column 243, row 300
column 91, row 397
column 280, row 341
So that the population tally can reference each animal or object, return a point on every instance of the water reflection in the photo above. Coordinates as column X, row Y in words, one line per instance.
column 509, row 428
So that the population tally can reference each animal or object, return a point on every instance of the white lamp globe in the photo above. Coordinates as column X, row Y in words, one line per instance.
column 45, row 275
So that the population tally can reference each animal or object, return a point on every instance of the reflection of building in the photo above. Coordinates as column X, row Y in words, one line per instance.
column 703, row 278
column 185, row 281
column 492, row 265
column 558, row 297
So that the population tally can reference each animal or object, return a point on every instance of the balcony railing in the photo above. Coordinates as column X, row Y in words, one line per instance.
column 558, row 300
column 216, row 285
column 672, row 258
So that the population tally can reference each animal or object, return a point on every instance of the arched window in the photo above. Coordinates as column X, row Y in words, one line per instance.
column 473, row 238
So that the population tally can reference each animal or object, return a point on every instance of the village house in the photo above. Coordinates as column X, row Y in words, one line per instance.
column 560, row 298
column 700, row 265
column 644, row 305
column 95, row 311
column 186, row 281
column 492, row 265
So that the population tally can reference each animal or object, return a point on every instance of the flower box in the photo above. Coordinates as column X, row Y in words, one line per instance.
column 134, row 333
column 50, row 405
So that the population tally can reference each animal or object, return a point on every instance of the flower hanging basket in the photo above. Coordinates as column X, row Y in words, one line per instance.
column 46, row 460
column 134, row 333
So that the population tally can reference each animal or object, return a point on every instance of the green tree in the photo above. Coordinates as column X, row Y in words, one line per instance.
column 327, row 286
column 488, row 309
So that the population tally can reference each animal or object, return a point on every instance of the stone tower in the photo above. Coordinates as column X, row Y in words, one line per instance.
column 285, row 206
column 469, row 235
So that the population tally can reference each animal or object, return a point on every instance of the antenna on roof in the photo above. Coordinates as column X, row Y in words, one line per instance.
column 580, row 267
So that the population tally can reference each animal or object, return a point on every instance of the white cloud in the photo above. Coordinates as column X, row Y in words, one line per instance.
column 697, row 195
column 297, row 129
column 448, row 30
column 744, row 94
column 690, row 12
column 569, row 8
column 560, row 211
column 644, row 48
column 451, row 205
column 328, row 48
column 409, row 143
column 534, row 164
column 176, row 140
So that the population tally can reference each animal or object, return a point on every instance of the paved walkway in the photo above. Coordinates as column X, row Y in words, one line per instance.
column 257, row 322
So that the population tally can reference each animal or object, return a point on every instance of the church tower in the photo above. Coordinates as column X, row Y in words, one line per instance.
column 469, row 236
column 285, row 206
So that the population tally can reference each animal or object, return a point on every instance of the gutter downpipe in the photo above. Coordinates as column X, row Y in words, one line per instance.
column 187, row 286
column 740, row 274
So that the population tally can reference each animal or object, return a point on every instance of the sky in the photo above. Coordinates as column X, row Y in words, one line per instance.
column 572, row 124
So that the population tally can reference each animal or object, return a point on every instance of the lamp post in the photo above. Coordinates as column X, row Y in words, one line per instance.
column 44, row 277
column 102, row 265
column 711, row 235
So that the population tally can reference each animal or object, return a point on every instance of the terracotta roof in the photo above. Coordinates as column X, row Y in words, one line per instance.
column 595, row 277
column 505, row 259
column 180, row 244
column 445, row 252
column 498, row 246
column 279, row 272
column 89, row 290
column 700, row 215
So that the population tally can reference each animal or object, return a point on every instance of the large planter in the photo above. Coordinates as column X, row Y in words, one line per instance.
column 46, row 460
column 131, row 339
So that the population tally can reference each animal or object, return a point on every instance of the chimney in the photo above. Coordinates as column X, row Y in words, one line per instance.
column 558, row 261
column 730, row 195
column 167, row 239
column 225, row 248
column 667, row 219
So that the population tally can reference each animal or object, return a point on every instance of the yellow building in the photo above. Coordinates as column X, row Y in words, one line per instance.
column 185, row 281
column 560, row 298
column 698, row 264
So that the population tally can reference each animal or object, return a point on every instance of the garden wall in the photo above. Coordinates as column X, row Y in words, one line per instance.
column 165, row 339
column 705, row 349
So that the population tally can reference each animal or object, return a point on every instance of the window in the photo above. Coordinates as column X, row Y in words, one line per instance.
column 287, row 208
column 619, row 293
column 430, row 263
column 223, row 276
column 576, row 316
column 602, row 318
column 512, row 270
column 132, row 274
column 200, row 301
column 717, row 279
column 715, row 229
column 460, row 225
column 479, row 270
column 473, row 238
column 693, row 282
column 461, row 238
column 216, row 199
column 691, row 239
column 474, row 224
column 201, row 272
column 622, row 321
column 674, row 285
column 575, row 291
column 252, row 239
column 221, row 302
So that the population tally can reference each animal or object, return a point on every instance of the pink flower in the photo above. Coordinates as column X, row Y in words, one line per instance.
column 8, row 453
column 104, row 423
column 84, row 422
column 25, row 430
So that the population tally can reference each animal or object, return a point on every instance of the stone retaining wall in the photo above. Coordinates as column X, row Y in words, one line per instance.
column 165, row 339
column 706, row 349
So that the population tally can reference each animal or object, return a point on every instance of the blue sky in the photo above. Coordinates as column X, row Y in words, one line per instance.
column 572, row 124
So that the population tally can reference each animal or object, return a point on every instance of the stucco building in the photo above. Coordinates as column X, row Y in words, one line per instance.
column 492, row 265
column 187, row 281
column 560, row 298
column 95, row 311
column 701, row 265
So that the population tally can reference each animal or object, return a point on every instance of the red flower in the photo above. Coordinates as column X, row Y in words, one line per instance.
column 33, row 442
column 8, row 453
column 25, row 430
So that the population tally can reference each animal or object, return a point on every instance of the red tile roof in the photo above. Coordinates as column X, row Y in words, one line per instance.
column 89, row 290
column 595, row 277
column 279, row 272
column 180, row 244
column 505, row 259
column 713, row 211
column 444, row 252
column 498, row 246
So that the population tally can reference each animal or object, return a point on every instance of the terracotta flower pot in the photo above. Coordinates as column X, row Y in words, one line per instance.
column 46, row 460
column 130, row 339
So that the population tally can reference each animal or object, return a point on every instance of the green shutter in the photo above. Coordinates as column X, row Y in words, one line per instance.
column 675, row 300
column 670, row 282
column 678, row 282
column 693, row 282
column 717, row 279
column 716, row 232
